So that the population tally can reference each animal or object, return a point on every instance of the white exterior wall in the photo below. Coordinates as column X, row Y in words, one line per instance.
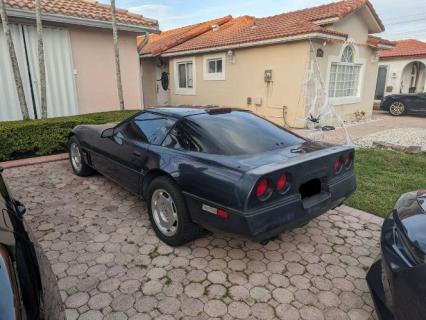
column 394, row 74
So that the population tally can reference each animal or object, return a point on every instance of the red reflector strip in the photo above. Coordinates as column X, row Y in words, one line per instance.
column 222, row 213
column 218, row 212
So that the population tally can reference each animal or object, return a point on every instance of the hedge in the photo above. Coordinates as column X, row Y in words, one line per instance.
column 23, row 139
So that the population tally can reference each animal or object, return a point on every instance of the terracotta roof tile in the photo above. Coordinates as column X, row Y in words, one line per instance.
column 247, row 29
column 405, row 48
column 376, row 41
column 161, row 42
column 87, row 9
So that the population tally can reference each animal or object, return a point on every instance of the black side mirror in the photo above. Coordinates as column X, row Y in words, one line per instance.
column 20, row 208
column 107, row 133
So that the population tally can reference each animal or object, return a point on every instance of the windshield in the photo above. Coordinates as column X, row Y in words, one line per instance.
column 237, row 133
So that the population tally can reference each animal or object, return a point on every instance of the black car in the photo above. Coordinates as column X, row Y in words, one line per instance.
column 397, row 280
column 216, row 168
column 400, row 104
column 21, row 293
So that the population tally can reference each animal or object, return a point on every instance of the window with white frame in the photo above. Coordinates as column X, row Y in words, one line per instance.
column 345, row 75
column 214, row 67
column 185, row 76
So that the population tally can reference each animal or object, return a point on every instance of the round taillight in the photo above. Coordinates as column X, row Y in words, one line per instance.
column 349, row 160
column 262, row 188
column 282, row 183
column 337, row 165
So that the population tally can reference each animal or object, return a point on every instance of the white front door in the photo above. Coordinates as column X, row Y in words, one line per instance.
column 162, row 72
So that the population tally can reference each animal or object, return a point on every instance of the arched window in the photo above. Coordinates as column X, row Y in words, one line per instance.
column 348, row 54
column 344, row 75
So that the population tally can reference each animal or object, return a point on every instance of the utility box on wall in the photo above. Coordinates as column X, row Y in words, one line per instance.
column 268, row 76
column 257, row 101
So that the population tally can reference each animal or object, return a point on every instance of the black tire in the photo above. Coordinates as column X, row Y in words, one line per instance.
column 186, row 229
column 84, row 170
column 397, row 108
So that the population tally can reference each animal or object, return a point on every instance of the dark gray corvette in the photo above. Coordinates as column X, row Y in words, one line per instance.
column 216, row 169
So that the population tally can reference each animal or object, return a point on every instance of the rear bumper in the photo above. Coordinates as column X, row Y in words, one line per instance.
column 267, row 222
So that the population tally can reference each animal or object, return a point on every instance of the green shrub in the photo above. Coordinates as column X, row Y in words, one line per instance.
column 21, row 139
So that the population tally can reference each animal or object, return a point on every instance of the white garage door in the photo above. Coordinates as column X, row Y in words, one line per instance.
column 61, row 90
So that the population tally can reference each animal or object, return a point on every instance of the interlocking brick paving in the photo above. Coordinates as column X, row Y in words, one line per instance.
column 110, row 265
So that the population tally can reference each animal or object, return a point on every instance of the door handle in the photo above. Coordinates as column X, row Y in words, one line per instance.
column 137, row 154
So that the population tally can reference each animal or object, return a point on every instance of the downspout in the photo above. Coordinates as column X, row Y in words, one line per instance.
column 145, row 41
column 140, row 47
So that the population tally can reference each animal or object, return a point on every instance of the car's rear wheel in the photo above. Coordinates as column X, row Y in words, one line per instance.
column 168, row 213
column 397, row 108
column 79, row 166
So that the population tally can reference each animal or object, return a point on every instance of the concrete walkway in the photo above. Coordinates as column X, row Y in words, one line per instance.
column 381, row 121
column 110, row 265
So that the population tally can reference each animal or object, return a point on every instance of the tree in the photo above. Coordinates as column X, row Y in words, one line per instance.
column 117, row 56
column 41, row 63
column 14, row 61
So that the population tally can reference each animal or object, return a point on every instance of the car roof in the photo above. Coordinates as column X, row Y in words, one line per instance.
column 186, row 111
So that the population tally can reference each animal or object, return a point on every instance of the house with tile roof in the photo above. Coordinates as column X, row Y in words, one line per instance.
column 402, row 69
column 260, row 63
column 79, row 54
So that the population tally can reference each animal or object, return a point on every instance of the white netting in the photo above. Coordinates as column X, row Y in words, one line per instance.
column 322, row 122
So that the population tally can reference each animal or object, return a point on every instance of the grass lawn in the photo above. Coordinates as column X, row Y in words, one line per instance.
column 382, row 176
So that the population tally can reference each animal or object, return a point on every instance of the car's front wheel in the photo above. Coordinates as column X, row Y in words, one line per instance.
column 168, row 213
column 397, row 108
column 79, row 166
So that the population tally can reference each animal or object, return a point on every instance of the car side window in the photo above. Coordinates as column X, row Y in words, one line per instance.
column 180, row 139
column 147, row 127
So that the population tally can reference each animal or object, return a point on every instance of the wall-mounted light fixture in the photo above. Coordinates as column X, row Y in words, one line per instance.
column 231, row 56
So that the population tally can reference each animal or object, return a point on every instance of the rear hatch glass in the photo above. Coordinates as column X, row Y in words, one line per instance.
column 238, row 133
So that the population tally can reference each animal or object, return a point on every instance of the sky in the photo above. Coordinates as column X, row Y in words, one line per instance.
column 402, row 18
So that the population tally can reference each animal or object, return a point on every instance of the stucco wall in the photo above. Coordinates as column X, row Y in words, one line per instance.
column 394, row 76
column 93, row 57
column 245, row 78
column 357, row 30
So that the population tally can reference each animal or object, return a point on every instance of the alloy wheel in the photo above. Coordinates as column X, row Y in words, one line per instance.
column 164, row 212
column 397, row 108
column 76, row 156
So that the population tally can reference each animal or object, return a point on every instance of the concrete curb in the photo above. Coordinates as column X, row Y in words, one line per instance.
column 31, row 161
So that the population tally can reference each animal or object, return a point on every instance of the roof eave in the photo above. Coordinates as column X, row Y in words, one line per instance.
column 72, row 20
column 401, row 57
column 376, row 26
column 373, row 15
column 306, row 36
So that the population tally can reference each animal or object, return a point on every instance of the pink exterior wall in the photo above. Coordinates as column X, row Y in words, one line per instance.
column 93, row 56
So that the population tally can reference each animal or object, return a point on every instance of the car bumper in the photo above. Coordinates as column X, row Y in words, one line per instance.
column 268, row 222
column 397, row 286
